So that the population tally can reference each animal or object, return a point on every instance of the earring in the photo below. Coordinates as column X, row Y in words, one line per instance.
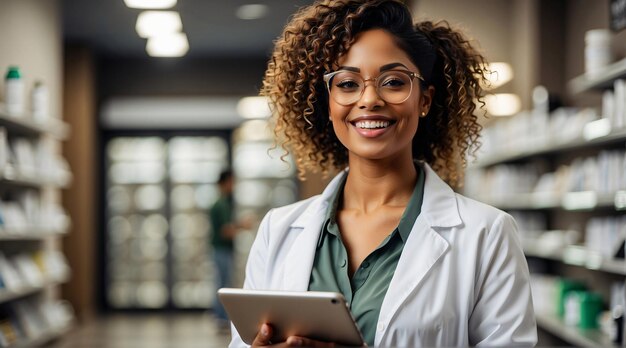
column 423, row 113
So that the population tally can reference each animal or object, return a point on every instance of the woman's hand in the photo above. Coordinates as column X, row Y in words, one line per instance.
column 262, row 339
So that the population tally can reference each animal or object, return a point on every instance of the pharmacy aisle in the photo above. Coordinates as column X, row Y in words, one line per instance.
column 147, row 330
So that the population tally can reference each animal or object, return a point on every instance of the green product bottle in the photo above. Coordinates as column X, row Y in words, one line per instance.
column 590, row 308
column 14, row 91
column 564, row 286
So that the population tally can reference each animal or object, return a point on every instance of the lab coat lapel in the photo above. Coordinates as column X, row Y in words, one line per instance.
column 299, row 260
column 308, row 226
column 425, row 246
column 422, row 250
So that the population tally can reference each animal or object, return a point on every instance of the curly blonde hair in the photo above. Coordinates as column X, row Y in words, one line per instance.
column 319, row 35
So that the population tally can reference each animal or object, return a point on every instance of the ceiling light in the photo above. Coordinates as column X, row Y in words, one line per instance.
column 503, row 104
column 150, row 4
column 254, row 107
column 170, row 45
column 152, row 23
column 252, row 11
column 498, row 73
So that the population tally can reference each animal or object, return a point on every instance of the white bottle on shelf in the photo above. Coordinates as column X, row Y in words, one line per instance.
column 598, row 52
column 14, row 91
column 39, row 102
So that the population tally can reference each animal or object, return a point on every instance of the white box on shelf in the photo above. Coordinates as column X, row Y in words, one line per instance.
column 608, row 105
column 3, row 150
column 29, row 271
column 25, row 157
column 619, row 90
column 10, row 277
column 14, row 218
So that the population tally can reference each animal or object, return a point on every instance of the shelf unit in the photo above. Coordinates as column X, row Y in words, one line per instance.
column 550, row 146
column 601, row 80
column 31, row 234
column 43, row 338
column 39, row 237
column 571, row 201
column 6, row 295
column 573, row 335
column 23, row 126
column 590, row 202
column 577, row 256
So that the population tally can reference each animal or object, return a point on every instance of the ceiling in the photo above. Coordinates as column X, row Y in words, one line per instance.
column 211, row 26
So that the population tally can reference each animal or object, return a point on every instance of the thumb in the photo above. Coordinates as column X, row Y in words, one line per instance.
column 295, row 341
column 263, row 337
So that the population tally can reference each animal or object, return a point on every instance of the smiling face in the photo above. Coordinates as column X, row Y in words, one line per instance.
column 372, row 128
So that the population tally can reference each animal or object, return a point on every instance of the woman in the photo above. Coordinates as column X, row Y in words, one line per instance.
column 356, row 86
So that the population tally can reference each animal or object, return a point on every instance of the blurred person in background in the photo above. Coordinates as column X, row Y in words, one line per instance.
column 222, row 240
column 357, row 87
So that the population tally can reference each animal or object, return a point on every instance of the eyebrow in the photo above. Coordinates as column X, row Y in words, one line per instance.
column 349, row 68
column 392, row 65
column 382, row 68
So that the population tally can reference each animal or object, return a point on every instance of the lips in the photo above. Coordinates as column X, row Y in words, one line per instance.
column 372, row 126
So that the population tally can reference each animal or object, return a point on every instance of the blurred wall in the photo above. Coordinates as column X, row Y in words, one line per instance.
column 543, row 40
column 180, row 76
column 503, row 31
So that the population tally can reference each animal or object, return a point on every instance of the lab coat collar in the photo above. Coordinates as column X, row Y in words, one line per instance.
column 439, row 209
column 321, row 204
column 439, row 205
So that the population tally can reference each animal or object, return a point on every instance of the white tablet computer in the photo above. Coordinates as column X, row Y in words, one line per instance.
column 322, row 316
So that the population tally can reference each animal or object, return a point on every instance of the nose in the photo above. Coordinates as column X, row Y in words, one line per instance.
column 370, row 98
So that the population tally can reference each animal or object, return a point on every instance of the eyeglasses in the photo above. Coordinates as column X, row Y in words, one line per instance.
column 393, row 86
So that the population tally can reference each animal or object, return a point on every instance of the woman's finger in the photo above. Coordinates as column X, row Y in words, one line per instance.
column 263, row 337
column 295, row 341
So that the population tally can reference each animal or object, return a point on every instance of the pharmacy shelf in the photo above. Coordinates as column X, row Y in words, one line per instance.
column 577, row 256
column 26, row 127
column 571, row 334
column 31, row 234
column 603, row 79
column 19, row 181
column 571, row 201
column 43, row 339
column 551, row 146
column 7, row 295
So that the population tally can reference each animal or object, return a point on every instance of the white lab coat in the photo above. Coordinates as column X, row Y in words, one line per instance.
column 462, row 279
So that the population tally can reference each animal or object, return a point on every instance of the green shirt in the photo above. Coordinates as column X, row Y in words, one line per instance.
column 221, row 214
column 366, row 290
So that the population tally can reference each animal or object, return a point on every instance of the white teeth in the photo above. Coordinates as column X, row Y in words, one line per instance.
column 372, row 124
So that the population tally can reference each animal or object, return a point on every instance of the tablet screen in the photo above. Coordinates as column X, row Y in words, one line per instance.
column 322, row 316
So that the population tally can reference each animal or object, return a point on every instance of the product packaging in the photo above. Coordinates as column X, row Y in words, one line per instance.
column 39, row 102
column 598, row 52
column 14, row 91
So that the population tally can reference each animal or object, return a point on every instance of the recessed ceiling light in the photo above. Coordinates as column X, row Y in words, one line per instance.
column 252, row 11
column 150, row 4
column 152, row 23
column 170, row 45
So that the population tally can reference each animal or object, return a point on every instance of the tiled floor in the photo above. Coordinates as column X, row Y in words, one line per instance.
column 146, row 330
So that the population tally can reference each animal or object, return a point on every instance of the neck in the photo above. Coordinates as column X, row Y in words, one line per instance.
column 375, row 183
